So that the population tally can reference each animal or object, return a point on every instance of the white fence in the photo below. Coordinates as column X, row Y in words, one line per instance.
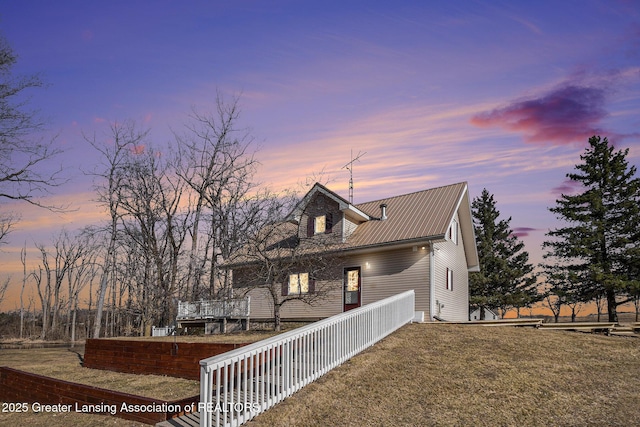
column 162, row 331
column 214, row 309
column 238, row 385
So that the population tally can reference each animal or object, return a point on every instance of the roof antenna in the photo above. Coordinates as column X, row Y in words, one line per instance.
column 349, row 167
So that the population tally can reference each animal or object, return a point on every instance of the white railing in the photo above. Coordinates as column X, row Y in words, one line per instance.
column 238, row 385
column 161, row 331
column 213, row 309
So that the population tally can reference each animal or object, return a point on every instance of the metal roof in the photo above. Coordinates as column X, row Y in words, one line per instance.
column 414, row 217
column 421, row 215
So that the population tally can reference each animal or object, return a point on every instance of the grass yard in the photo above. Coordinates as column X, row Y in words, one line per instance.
column 423, row 375
column 65, row 365
column 448, row 375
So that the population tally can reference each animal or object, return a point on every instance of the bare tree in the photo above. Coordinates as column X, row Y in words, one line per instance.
column 81, row 272
column 3, row 288
column 55, row 266
column 150, row 200
column 23, row 156
column 124, row 138
column 43, row 286
column 7, row 221
column 23, row 259
column 276, row 261
column 216, row 160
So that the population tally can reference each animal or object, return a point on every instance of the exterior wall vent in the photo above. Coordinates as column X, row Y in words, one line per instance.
column 383, row 212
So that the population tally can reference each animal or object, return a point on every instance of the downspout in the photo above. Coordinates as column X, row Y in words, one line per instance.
column 432, row 277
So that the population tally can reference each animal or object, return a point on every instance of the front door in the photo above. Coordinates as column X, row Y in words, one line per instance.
column 352, row 286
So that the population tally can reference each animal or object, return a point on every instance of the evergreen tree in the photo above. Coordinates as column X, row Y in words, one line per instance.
column 505, row 279
column 600, row 240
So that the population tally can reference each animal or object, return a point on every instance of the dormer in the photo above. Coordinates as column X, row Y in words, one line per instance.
column 323, row 212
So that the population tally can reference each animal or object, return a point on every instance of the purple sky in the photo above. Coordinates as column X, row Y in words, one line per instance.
column 503, row 95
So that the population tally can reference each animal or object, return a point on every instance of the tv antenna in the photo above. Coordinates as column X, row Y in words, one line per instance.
column 349, row 167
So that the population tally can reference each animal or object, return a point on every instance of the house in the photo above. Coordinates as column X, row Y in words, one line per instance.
column 422, row 241
column 488, row 314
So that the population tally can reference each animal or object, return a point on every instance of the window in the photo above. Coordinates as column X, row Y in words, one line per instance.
column 320, row 224
column 453, row 232
column 299, row 284
column 353, row 280
column 449, row 279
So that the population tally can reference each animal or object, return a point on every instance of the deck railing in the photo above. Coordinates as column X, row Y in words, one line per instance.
column 238, row 385
column 214, row 309
column 162, row 331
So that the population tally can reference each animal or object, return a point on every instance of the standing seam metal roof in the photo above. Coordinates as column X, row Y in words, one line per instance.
column 423, row 214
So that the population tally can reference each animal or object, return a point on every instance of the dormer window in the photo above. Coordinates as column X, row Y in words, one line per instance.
column 321, row 224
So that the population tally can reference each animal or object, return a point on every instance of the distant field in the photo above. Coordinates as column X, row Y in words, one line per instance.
column 623, row 318
column 429, row 374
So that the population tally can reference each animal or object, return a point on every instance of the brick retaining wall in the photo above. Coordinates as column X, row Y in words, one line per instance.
column 151, row 357
column 20, row 386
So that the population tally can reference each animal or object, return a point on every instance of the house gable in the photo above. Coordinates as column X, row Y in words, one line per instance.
column 322, row 215
column 461, row 219
column 412, row 219
column 420, row 217
column 341, row 218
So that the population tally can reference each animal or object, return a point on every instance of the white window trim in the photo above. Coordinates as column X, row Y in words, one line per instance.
column 299, row 290
column 320, row 220
column 453, row 232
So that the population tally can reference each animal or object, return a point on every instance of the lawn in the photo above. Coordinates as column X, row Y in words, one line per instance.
column 65, row 364
column 448, row 375
column 452, row 375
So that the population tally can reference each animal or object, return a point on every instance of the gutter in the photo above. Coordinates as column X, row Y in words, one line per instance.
column 432, row 278
column 355, row 250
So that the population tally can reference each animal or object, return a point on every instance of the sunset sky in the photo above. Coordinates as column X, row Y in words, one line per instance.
column 503, row 95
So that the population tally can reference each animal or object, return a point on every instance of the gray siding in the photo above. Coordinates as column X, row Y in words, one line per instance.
column 456, row 301
column 391, row 272
column 383, row 274
column 348, row 228
column 262, row 305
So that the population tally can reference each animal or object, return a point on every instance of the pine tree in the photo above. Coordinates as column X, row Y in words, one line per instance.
column 505, row 279
column 600, row 240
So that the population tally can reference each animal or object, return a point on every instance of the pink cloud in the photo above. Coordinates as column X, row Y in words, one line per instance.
column 522, row 231
column 565, row 115
column 567, row 187
column 138, row 149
